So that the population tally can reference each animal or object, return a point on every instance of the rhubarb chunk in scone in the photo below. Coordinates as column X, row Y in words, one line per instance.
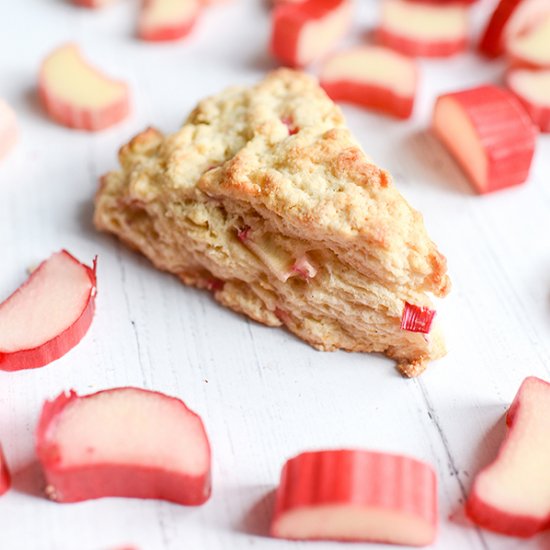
column 123, row 442
column 48, row 315
column 489, row 133
column 512, row 495
column 352, row 495
column 265, row 198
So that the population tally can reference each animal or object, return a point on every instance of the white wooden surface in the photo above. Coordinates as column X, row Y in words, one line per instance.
column 263, row 395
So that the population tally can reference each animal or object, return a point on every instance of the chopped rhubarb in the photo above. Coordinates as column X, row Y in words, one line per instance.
column 48, row 315
column 512, row 495
column 351, row 495
column 77, row 95
column 289, row 123
column 532, row 49
column 163, row 20
column 303, row 32
column 490, row 135
column 532, row 88
column 510, row 19
column 5, row 477
column 374, row 77
column 422, row 29
column 92, row 3
column 417, row 318
column 8, row 128
column 278, row 261
column 124, row 442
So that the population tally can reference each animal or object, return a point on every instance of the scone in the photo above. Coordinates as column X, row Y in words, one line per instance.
column 264, row 198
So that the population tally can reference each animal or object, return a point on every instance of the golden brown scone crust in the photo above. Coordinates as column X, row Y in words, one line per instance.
column 258, row 178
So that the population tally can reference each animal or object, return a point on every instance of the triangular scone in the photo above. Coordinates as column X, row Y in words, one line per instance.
column 265, row 198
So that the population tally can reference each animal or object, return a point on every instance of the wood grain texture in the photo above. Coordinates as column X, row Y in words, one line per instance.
column 264, row 395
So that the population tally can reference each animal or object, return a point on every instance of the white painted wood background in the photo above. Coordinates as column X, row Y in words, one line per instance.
column 263, row 395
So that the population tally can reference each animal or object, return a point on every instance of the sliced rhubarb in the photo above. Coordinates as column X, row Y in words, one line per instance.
column 124, row 442
column 278, row 261
column 510, row 19
column 77, row 95
column 532, row 88
column 373, row 77
column 417, row 318
column 8, row 128
column 532, row 49
column 303, row 32
column 48, row 315
column 5, row 477
column 423, row 29
column 162, row 20
column 490, row 135
column 512, row 495
column 351, row 495
column 92, row 3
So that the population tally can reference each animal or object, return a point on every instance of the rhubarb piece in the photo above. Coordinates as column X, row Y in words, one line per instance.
column 512, row 494
column 123, row 442
column 5, row 477
column 356, row 496
column 8, row 129
column 77, row 95
column 532, row 88
column 48, row 315
column 532, row 49
column 510, row 19
column 423, row 29
column 417, row 319
column 303, row 32
column 489, row 134
column 265, row 190
column 92, row 3
column 373, row 77
column 163, row 20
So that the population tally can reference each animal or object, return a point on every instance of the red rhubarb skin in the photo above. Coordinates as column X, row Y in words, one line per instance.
column 540, row 114
column 358, row 478
column 62, row 343
column 80, row 118
column 288, row 21
column 418, row 48
column 492, row 41
column 165, row 33
column 496, row 519
column 491, row 110
column 86, row 482
column 5, row 477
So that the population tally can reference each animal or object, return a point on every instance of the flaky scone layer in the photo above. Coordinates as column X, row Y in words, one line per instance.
column 265, row 198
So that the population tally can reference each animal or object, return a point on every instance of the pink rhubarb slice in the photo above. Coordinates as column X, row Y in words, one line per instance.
column 489, row 133
column 124, row 442
column 304, row 32
column 352, row 495
column 373, row 77
column 8, row 129
column 423, row 29
column 5, row 477
column 163, row 20
column 48, row 315
column 532, row 88
column 510, row 19
column 512, row 495
column 77, row 95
